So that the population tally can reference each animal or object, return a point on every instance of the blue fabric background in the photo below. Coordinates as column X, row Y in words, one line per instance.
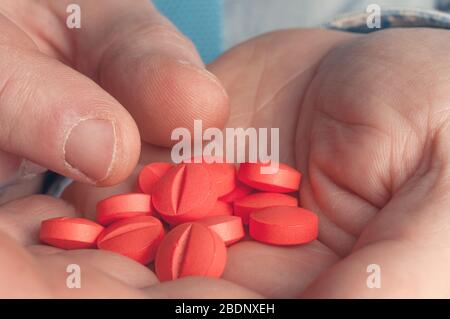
column 200, row 20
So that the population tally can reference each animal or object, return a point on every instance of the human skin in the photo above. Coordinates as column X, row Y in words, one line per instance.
column 363, row 117
column 61, row 86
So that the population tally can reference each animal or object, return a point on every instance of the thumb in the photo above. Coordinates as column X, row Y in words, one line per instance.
column 58, row 118
column 150, row 68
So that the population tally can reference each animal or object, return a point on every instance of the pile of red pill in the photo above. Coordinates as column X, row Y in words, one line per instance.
column 182, row 217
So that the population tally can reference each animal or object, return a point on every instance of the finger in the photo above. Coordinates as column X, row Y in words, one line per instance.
column 27, row 283
column 75, row 129
column 94, row 282
column 287, row 270
column 201, row 288
column 21, row 219
column 45, row 276
column 408, row 244
column 9, row 165
column 117, row 266
column 148, row 65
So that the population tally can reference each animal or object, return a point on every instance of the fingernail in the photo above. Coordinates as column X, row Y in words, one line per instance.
column 90, row 148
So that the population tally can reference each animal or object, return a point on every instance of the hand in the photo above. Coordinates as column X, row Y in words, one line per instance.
column 364, row 117
column 68, row 96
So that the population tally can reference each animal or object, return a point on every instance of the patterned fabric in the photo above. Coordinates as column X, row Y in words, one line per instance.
column 199, row 20
column 443, row 5
column 393, row 19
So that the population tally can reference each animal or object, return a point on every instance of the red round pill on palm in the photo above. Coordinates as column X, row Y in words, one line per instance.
column 137, row 238
column 245, row 206
column 285, row 179
column 190, row 249
column 223, row 174
column 238, row 192
column 150, row 174
column 185, row 193
column 70, row 233
column 220, row 209
column 229, row 228
column 283, row 225
column 123, row 206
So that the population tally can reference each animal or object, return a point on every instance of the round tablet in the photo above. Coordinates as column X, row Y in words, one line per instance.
column 283, row 225
column 150, row 174
column 185, row 193
column 238, row 192
column 229, row 228
column 123, row 206
column 69, row 233
column 220, row 209
column 223, row 174
column 285, row 180
column 190, row 249
column 246, row 205
column 137, row 238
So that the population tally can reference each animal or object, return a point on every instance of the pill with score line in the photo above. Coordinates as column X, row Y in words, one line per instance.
column 190, row 249
column 185, row 193
column 70, row 232
column 137, row 238
column 205, row 206
column 221, row 208
column 283, row 225
column 122, row 206
column 245, row 206
column 238, row 192
column 224, row 174
column 150, row 175
column 284, row 179
column 229, row 228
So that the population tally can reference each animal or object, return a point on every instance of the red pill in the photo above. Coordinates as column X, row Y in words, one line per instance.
column 70, row 233
column 185, row 193
column 123, row 206
column 137, row 238
column 190, row 249
column 283, row 225
column 150, row 174
column 245, row 206
column 238, row 192
column 229, row 228
column 285, row 180
column 220, row 209
column 223, row 174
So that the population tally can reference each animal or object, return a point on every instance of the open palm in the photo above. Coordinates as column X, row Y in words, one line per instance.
column 364, row 118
